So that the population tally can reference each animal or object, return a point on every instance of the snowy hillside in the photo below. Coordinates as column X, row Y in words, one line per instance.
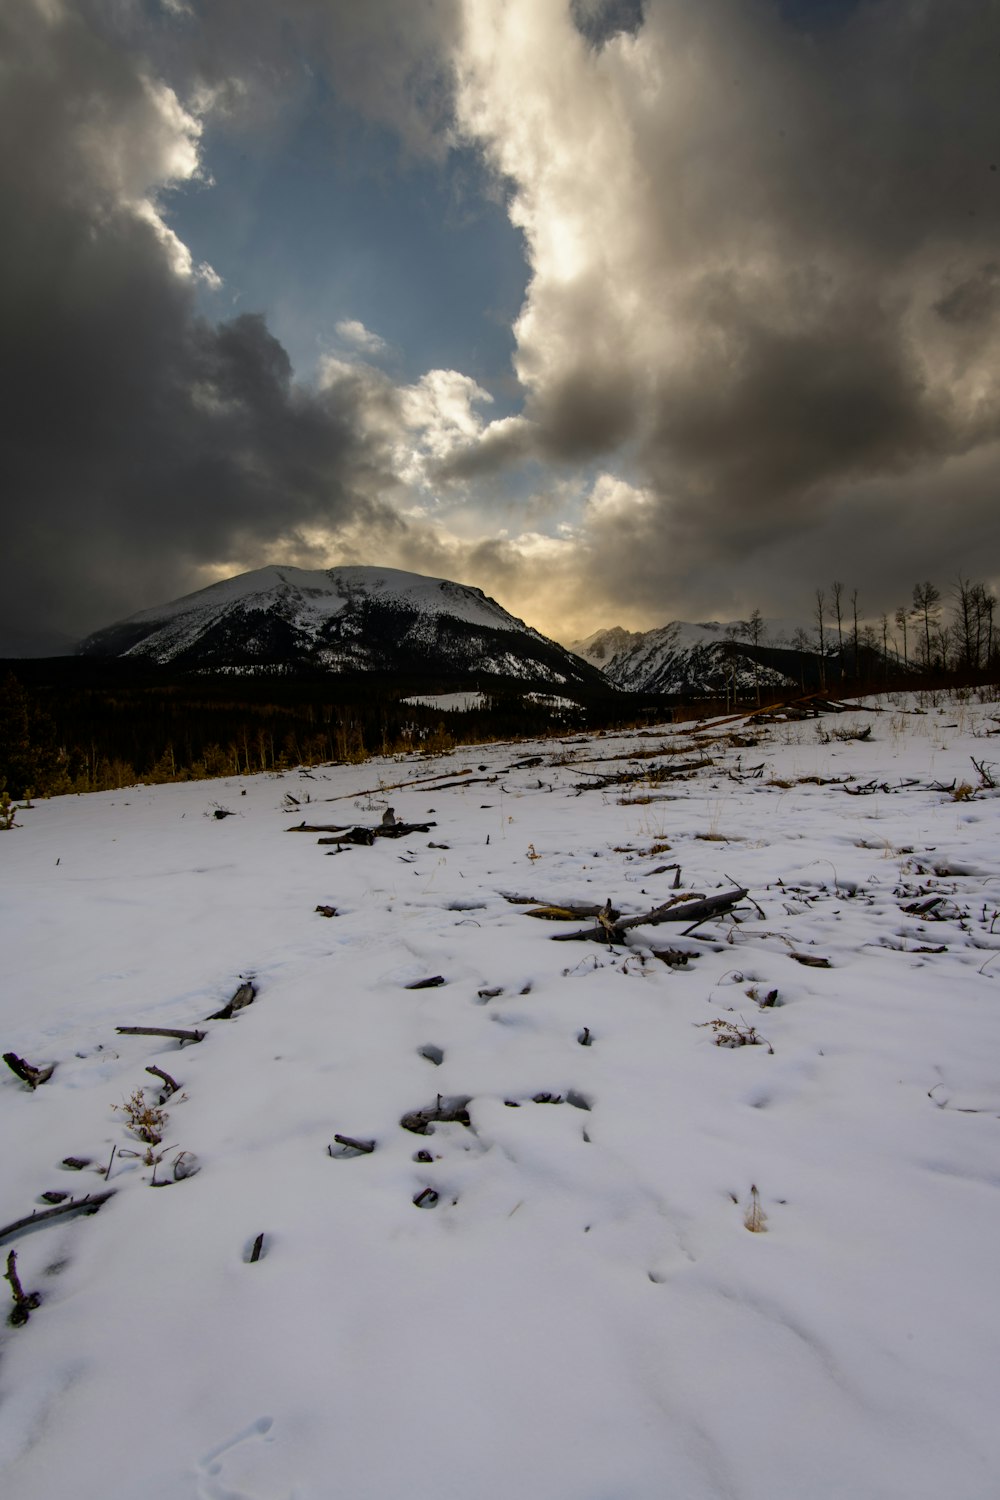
column 708, row 1212
column 690, row 658
column 337, row 619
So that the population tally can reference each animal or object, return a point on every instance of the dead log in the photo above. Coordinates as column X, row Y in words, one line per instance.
column 173, row 1031
column 88, row 1205
column 30, row 1075
column 694, row 911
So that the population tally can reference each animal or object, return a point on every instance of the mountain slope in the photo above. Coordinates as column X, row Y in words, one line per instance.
column 351, row 619
column 693, row 658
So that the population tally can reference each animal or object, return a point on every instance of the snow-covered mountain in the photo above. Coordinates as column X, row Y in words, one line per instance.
column 694, row 658
column 351, row 619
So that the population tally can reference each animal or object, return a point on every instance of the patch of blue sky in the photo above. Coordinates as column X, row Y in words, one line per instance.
column 326, row 222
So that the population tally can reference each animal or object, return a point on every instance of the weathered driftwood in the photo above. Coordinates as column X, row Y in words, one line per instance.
column 244, row 996
column 30, row 1075
column 693, row 912
column 88, row 1205
column 177, row 1032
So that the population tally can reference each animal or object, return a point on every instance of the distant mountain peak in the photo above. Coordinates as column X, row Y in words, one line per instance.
column 345, row 619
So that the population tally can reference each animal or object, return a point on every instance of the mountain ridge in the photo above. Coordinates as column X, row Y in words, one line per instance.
column 346, row 619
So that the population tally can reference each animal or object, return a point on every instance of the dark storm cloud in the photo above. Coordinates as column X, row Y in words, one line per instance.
column 139, row 441
column 764, row 264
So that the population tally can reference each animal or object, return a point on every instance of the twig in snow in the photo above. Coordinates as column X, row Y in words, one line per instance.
column 24, row 1304
column 170, row 1084
column 88, row 1205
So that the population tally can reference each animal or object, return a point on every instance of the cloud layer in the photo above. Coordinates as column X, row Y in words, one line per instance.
column 764, row 274
column 758, row 346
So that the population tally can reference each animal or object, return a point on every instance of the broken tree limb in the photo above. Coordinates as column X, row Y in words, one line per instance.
column 694, row 911
column 24, row 1302
column 351, row 1147
column 179, row 1033
column 170, row 1085
column 88, row 1205
column 362, row 835
column 24, row 1070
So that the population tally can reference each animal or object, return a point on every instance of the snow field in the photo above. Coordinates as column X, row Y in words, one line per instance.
column 581, row 1311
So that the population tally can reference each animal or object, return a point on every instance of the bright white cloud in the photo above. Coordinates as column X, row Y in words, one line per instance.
column 354, row 332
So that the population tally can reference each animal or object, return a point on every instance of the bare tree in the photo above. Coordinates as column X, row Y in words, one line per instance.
column 754, row 631
column 854, row 637
column 884, row 622
column 836, row 592
column 926, row 601
column 803, row 645
column 821, row 636
column 901, row 618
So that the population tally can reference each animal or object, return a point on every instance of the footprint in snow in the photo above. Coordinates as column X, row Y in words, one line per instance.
column 212, row 1484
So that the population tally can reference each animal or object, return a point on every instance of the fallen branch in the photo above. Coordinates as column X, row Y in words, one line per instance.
column 173, row 1031
column 693, row 910
column 351, row 1147
column 24, row 1070
column 24, row 1304
column 362, row 835
column 88, row 1205
column 170, row 1085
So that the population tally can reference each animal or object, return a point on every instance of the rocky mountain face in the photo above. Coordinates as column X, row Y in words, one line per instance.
column 698, row 658
column 339, row 620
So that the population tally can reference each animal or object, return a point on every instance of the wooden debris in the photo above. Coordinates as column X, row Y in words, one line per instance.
column 445, row 1112
column 258, row 1246
column 426, row 984
column 170, row 1085
column 24, row 1304
column 327, row 911
column 571, row 912
column 24, row 1070
column 674, row 958
column 76, row 1163
column 54, row 1196
column 243, row 997
column 88, row 1205
column 367, row 836
column 176, row 1032
column 426, row 1198
column 811, row 960
column 693, row 910
column 351, row 1147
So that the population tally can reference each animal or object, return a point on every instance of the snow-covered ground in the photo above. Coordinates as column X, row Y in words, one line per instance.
column 581, row 1312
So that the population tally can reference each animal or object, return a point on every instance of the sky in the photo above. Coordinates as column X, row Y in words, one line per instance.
column 621, row 310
